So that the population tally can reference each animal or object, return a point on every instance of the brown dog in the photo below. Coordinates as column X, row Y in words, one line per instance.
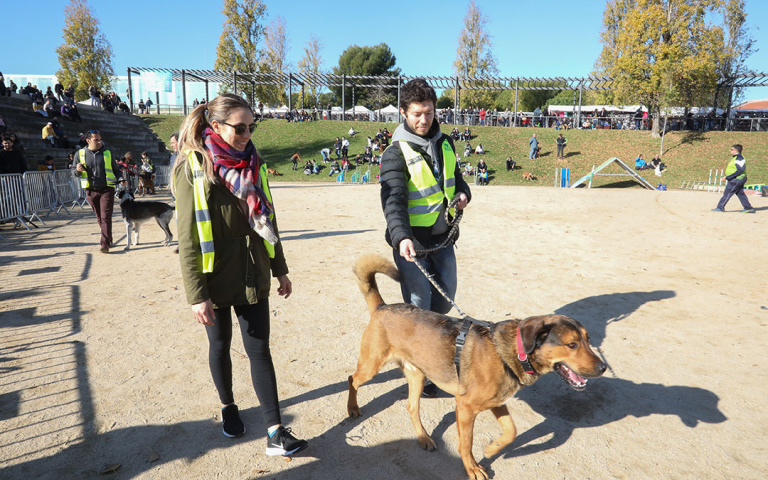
column 273, row 172
column 529, row 176
column 423, row 343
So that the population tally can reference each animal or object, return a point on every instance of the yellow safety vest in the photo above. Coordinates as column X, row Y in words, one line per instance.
column 731, row 168
column 425, row 196
column 203, row 215
column 111, row 180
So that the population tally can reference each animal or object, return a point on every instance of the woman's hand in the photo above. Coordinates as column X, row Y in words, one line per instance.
column 286, row 287
column 203, row 312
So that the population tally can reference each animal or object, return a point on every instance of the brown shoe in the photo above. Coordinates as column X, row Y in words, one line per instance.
column 104, row 249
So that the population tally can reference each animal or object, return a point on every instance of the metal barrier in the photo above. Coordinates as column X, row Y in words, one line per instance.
column 12, row 204
column 68, row 190
column 163, row 175
column 40, row 193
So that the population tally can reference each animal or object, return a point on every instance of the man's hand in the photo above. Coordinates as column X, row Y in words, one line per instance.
column 463, row 201
column 407, row 250
column 80, row 168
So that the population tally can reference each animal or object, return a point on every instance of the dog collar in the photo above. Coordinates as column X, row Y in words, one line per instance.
column 522, row 357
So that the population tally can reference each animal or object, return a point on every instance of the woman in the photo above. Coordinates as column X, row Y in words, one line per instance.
column 227, row 256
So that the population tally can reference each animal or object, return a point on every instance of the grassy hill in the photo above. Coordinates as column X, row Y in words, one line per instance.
column 688, row 155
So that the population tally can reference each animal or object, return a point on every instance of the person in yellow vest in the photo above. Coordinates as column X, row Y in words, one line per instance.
column 736, row 174
column 419, row 178
column 229, row 248
column 98, row 173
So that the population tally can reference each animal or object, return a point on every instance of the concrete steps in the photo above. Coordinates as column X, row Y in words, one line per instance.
column 121, row 133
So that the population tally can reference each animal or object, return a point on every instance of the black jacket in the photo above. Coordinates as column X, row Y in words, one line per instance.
column 394, row 194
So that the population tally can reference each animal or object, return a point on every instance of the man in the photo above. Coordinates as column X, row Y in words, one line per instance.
column 11, row 160
column 148, row 104
column 344, row 147
column 534, row 143
column 419, row 178
column 561, row 143
column 97, row 171
column 736, row 174
column 49, row 135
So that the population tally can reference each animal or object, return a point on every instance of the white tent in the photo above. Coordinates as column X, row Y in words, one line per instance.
column 388, row 113
column 358, row 110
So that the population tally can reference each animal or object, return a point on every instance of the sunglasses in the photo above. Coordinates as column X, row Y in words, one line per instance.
column 240, row 128
column 93, row 131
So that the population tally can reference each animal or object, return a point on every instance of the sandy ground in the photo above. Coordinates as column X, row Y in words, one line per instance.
column 102, row 365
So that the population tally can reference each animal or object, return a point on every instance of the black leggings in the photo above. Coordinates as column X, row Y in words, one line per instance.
column 254, row 327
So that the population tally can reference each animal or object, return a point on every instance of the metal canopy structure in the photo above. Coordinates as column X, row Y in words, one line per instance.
column 455, row 83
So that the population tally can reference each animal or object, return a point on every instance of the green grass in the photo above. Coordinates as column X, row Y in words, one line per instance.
column 688, row 155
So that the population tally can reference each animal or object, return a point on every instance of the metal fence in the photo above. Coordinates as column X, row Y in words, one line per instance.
column 24, row 196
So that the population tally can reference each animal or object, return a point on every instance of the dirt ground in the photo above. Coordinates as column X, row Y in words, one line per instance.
column 102, row 365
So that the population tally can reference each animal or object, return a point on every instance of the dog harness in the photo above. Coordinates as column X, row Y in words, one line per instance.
column 425, row 195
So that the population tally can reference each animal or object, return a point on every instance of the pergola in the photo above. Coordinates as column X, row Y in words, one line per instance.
column 241, row 80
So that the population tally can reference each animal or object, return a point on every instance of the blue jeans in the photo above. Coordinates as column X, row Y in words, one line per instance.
column 533, row 152
column 416, row 288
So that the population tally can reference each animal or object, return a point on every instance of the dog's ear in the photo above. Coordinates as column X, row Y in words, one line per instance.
column 533, row 333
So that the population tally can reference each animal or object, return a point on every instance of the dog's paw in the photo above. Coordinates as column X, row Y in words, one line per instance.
column 127, row 248
column 477, row 473
column 427, row 443
column 354, row 411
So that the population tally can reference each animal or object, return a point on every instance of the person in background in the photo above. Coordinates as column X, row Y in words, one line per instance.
column 46, row 165
column 11, row 159
column 534, row 143
column 561, row 143
column 99, row 174
column 736, row 174
column 225, row 211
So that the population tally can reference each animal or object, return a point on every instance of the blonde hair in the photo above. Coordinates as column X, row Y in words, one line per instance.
column 191, row 132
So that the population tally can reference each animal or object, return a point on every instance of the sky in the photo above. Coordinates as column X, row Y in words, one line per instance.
column 544, row 38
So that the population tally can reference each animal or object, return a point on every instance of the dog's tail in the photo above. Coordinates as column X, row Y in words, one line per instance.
column 365, row 270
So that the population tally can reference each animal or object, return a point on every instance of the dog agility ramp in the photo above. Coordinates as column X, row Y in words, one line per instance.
column 629, row 173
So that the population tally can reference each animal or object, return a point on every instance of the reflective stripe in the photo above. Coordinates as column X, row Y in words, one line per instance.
column 425, row 192
column 202, row 215
column 206, row 247
column 422, row 209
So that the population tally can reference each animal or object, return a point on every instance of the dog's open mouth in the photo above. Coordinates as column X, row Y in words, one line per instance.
column 574, row 380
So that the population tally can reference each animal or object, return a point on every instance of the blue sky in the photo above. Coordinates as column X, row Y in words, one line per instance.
column 530, row 38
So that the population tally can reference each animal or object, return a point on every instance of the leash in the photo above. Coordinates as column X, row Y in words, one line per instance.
column 467, row 320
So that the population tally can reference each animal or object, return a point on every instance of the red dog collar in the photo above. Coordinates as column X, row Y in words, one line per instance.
column 522, row 356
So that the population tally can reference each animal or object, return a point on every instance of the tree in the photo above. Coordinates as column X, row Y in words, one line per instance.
column 372, row 61
column 661, row 52
column 86, row 55
column 474, row 57
column 739, row 45
column 238, row 44
column 273, row 61
column 310, row 64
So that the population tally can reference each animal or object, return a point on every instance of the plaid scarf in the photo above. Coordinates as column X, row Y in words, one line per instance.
column 239, row 172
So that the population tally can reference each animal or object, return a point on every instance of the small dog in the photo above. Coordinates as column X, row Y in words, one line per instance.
column 529, row 176
column 495, row 362
column 274, row 172
column 136, row 213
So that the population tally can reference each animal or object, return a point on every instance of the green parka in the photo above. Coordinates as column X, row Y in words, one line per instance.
column 241, row 268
